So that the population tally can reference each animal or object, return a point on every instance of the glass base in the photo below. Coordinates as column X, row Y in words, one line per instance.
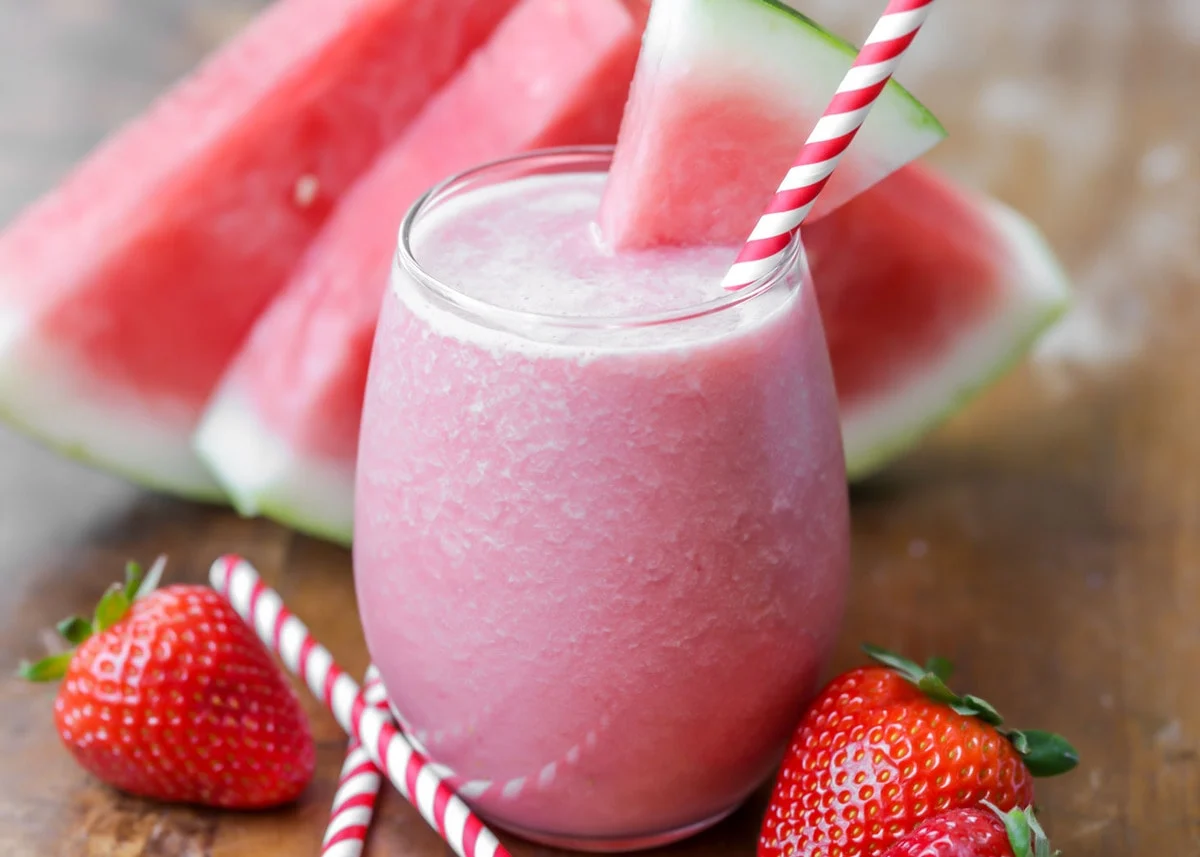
column 616, row 846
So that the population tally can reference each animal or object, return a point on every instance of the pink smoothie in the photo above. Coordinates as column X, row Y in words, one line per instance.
column 599, row 566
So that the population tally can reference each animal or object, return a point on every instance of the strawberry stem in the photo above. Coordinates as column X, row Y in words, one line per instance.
column 1046, row 754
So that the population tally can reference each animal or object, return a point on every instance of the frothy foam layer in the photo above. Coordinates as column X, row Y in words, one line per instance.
column 530, row 246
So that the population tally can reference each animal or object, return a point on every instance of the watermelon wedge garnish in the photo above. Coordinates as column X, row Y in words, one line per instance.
column 125, row 292
column 281, row 435
column 928, row 292
column 725, row 93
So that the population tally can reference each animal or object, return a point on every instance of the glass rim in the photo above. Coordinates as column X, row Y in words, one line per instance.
column 563, row 156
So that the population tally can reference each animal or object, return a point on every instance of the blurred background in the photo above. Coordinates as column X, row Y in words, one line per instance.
column 1051, row 533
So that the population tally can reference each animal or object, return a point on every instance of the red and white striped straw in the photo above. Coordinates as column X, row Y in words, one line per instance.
column 409, row 771
column 358, row 786
column 856, row 95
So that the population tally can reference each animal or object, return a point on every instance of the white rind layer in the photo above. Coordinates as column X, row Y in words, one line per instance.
column 1035, row 292
column 264, row 476
column 49, row 397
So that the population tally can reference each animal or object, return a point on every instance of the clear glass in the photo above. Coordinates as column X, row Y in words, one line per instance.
column 600, row 562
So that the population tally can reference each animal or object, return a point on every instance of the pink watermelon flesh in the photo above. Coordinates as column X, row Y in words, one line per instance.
column 927, row 292
column 725, row 94
column 555, row 73
column 901, row 272
column 126, row 291
column 712, row 198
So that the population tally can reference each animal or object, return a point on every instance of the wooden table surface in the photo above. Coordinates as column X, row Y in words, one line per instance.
column 1048, row 539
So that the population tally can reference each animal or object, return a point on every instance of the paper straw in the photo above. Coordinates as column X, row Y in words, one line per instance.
column 409, row 771
column 856, row 94
column 358, row 786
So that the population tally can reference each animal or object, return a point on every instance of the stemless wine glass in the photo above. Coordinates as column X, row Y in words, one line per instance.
column 600, row 561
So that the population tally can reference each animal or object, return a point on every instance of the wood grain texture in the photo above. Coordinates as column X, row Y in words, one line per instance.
column 1048, row 539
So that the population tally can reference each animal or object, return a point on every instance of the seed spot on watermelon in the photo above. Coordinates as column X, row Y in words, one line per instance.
column 306, row 190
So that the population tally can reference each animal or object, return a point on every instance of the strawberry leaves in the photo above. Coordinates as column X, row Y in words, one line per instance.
column 1045, row 753
column 1025, row 833
column 111, row 609
column 909, row 669
column 149, row 582
column 49, row 668
column 74, row 629
column 943, row 668
column 113, row 606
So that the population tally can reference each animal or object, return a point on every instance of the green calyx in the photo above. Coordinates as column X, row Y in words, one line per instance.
column 1025, row 833
column 111, row 609
column 1045, row 753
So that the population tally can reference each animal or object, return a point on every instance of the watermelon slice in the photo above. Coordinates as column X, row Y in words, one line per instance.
column 282, row 433
column 928, row 292
column 125, row 292
column 726, row 92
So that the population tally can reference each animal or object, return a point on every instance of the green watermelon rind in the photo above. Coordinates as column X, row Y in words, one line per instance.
column 1044, row 300
column 79, row 453
column 922, row 116
column 302, row 522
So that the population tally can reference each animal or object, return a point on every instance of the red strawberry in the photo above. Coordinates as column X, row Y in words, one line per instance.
column 884, row 747
column 975, row 832
column 169, row 695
